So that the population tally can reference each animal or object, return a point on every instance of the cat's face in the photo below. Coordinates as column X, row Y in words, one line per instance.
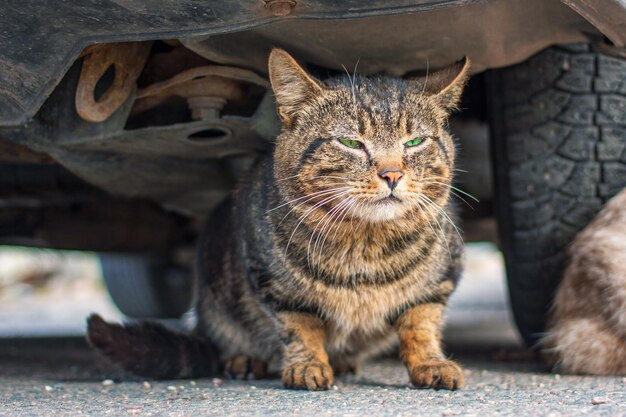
column 369, row 148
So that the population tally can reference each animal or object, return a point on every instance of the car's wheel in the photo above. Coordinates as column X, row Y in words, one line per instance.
column 558, row 136
column 146, row 287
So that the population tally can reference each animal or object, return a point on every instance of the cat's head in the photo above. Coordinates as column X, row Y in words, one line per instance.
column 374, row 148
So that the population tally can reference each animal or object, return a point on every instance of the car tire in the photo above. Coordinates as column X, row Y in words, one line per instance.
column 558, row 139
column 146, row 287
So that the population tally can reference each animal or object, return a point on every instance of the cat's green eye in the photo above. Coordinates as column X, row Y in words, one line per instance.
column 414, row 142
column 351, row 143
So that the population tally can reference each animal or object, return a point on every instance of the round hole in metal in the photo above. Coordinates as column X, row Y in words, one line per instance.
column 105, row 82
column 208, row 135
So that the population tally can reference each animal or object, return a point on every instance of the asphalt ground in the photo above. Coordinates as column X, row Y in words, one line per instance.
column 62, row 377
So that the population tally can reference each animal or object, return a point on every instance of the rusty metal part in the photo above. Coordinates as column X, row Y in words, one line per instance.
column 206, row 108
column 223, row 71
column 163, row 65
column 201, row 87
column 206, row 81
column 187, row 166
column 608, row 16
column 280, row 7
column 127, row 59
column 604, row 47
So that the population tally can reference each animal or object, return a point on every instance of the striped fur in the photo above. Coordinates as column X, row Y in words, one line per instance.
column 311, row 263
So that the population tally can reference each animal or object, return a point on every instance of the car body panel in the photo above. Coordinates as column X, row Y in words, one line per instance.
column 40, row 41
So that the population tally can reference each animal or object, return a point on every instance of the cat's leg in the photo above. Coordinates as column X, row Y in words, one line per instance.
column 343, row 365
column 419, row 331
column 242, row 367
column 305, row 361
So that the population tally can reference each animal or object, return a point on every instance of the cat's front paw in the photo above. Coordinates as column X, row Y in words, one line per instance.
column 313, row 375
column 344, row 367
column 245, row 367
column 436, row 374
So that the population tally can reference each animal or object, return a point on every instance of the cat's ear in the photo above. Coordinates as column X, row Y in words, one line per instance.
column 446, row 85
column 292, row 86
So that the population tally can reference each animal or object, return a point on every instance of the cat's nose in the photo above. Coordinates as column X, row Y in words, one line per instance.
column 391, row 176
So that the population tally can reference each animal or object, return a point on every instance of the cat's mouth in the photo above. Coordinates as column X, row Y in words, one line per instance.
column 390, row 199
column 388, row 208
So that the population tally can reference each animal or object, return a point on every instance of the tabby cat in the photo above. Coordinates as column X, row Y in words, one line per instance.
column 336, row 247
column 587, row 331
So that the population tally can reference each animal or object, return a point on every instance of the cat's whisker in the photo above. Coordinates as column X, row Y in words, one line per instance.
column 314, row 177
column 313, row 234
column 336, row 211
column 339, row 218
column 351, row 208
column 355, row 68
column 445, row 215
column 419, row 206
column 368, row 210
column 462, row 199
column 305, row 202
column 323, row 222
column 321, row 195
column 354, row 208
column 352, row 89
column 325, row 194
column 455, row 189
column 328, row 176
column 425, row 79
column 434, row 217
column 287, row 178
column 360, row 204
column 454, row 194
column 433, row 212
column 319, row 204
column 358, row 209
column 328, row 228
column 306, row 214
column 310, row 196
column 327, row 218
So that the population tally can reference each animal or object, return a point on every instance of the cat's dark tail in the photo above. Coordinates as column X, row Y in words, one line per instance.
column 152, row 350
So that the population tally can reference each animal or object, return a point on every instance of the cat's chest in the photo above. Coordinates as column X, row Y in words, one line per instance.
column 361, row 313
column 364, row 298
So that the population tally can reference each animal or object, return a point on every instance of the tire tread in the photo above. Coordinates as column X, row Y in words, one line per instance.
column 559, row 139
